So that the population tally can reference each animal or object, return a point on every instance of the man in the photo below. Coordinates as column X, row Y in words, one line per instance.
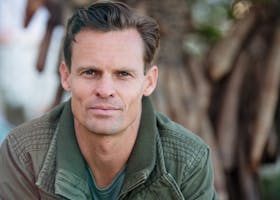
column 106, row 142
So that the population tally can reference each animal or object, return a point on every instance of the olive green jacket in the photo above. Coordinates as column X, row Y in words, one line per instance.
column 41, row 160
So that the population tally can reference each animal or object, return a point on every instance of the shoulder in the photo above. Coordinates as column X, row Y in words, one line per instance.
column 34, row 136
column 172, row 132
column 181, row 146
column 187, row 159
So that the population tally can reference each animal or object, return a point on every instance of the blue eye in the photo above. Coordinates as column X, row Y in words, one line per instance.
column 89, row 72
column 123, row 73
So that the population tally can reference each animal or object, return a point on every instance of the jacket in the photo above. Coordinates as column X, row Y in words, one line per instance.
column 41, row 160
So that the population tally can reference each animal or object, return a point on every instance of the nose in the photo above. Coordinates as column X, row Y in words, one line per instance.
column 105, row 87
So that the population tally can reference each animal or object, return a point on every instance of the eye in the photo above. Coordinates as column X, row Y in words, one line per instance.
column 89, row 72
column 124, row 74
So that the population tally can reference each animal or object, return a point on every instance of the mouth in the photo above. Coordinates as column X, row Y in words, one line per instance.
column 104, row 110
column 105, row 107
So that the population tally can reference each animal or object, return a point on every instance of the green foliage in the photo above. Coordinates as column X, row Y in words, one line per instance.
column 211, row 20
column 212, row 34
column 270, row 181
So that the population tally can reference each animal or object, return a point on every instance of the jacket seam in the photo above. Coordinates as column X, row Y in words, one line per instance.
column 198, row 160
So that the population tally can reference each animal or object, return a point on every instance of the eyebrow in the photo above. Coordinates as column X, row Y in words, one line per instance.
column 85, row 67
column 122, row 68
column 126, row 69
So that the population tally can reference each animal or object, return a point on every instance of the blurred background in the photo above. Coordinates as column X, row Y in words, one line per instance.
column 219, row 77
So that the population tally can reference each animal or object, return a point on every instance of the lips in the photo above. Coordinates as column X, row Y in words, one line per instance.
column 104, row 110
column 104, row 107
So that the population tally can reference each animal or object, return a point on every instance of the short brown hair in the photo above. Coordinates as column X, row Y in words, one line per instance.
column 108, row 16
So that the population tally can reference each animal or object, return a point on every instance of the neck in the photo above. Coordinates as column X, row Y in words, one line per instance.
column 106, row 155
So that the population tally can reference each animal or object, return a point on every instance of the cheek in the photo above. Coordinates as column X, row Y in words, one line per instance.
column 135, row 101
column 133, row 90
column 80, row 89
column 137, row 93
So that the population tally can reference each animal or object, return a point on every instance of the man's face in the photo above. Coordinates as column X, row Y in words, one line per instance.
column 107, row 80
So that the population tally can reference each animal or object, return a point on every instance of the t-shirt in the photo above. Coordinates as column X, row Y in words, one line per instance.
column 111, row 192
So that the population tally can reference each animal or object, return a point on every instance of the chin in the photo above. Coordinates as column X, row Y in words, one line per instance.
column 104, row 126
column 103, row 130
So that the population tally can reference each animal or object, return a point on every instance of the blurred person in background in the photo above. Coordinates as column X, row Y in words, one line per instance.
column 24, row 91
column 107, row 141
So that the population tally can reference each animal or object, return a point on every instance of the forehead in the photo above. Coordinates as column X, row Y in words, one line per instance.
column 122, row 47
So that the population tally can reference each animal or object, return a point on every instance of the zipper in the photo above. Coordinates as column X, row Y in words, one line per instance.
column 137, row 184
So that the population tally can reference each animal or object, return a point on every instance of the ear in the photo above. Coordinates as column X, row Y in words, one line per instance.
column 151, row 80
column 64, row 76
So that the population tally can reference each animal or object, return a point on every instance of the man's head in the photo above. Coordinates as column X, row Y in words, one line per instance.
column 105, row 16
column 106, row 49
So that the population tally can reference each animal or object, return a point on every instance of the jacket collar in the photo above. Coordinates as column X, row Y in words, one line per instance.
column 69, row 156
column 71, row 168
column 65, row 158
column 143, row 156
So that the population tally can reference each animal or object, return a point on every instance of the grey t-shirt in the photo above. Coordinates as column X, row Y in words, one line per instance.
column 111, row 192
